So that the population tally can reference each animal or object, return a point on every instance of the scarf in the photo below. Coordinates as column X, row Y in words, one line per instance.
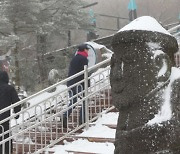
column 83, row 53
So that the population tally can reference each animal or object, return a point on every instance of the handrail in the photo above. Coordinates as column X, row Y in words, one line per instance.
column 44, row 112
column 173, row 28
column 53, row 86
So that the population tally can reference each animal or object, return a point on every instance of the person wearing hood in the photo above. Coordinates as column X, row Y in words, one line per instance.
column 76, row 65
column 8, row 96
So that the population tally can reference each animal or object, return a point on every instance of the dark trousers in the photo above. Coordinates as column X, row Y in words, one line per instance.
column 8, row 147
column 75, row 90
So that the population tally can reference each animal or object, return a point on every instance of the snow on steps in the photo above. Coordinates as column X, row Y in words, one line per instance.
column 39, row 139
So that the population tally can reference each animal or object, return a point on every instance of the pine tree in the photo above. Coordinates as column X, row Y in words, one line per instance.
column 40, row 19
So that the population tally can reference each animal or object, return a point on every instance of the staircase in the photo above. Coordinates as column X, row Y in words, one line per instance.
column 40, row 125
column 54, row 130
column 80, row 136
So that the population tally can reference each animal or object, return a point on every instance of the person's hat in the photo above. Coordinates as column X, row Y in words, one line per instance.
column 82, row 47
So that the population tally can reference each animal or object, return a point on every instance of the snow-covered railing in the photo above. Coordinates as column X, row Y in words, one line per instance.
column 40, row 124
column 174, row 29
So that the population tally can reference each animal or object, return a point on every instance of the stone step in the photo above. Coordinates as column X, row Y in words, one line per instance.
column 79, row 152
column 112, row 126
column 93, row 139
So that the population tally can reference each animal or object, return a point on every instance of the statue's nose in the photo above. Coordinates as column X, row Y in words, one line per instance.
column 118, row 71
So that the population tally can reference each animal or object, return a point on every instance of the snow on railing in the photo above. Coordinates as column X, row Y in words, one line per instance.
column 174, row 29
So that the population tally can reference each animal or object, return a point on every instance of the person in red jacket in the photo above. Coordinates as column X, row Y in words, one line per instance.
column 8, row 96
column 77, row 65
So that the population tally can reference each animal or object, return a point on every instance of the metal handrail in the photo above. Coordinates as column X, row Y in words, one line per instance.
column 47, row 113
column 174, row 28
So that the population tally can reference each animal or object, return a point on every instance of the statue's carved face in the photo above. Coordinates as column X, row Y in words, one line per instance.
column 134, row 73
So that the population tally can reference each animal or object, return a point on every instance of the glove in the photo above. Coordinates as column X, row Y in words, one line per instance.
column 16, row 117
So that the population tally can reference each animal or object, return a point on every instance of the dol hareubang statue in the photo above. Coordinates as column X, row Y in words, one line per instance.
column 145, row 90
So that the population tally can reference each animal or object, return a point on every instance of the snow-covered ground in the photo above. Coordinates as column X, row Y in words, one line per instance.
column 97, row 130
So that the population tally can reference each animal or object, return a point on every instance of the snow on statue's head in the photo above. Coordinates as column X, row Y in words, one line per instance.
column 140, row 73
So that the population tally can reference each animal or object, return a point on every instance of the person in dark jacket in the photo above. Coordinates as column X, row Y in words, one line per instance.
column 8, row 96
column 77, row 65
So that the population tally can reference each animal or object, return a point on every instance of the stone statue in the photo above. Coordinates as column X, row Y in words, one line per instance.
column 144, row 90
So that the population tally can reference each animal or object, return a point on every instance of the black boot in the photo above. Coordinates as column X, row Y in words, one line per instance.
column 81, row 120
column 64, row 122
